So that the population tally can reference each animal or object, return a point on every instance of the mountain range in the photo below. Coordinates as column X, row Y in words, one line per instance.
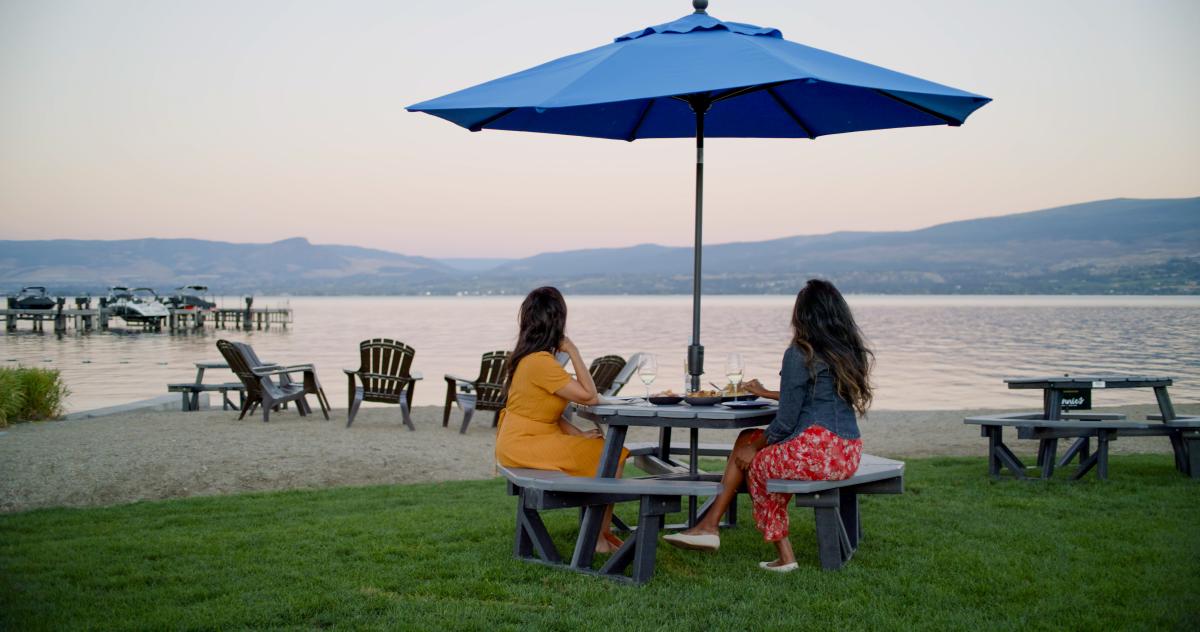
column 1126, row 246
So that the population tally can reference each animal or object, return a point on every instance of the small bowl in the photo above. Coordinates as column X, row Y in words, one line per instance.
column 665, row 400
column 702, row 401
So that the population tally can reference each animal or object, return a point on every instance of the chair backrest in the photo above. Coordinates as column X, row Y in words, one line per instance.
column 240, row 366
column 624, row 375
column 489, row 387
column 388, row 357
column 604, row 370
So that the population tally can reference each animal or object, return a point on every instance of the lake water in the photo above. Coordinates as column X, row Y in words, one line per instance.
column 933, row 352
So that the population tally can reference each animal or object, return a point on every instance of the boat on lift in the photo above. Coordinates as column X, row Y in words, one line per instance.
column 191, row 297
column 139, row 305
column 34, row 297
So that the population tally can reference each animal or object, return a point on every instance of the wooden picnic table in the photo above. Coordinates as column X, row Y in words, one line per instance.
column 619, row 417
column 191, row 391
column 1053, row 424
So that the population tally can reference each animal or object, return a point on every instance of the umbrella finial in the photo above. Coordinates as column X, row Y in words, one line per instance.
column 700, row 5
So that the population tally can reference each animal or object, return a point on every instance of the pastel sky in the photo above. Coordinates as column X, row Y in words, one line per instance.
column 256, row 121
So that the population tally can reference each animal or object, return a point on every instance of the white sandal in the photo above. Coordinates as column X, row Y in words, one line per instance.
column 782, row 568
column 694, row 542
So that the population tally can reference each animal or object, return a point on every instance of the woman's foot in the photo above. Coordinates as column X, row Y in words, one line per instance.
column 608, row 543
column 779, row 566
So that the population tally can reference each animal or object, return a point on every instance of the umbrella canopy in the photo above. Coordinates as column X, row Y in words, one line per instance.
column 699, row 76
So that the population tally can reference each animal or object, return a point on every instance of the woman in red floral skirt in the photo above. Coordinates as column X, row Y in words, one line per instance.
column 824, row 385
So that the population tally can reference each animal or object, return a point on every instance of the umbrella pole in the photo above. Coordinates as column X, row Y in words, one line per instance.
column 695, row 349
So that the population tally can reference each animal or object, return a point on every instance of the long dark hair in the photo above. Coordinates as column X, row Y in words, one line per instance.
column 823, row 327
column 542, row 322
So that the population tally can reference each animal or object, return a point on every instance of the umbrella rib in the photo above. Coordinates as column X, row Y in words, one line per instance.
column 491, row 119
column 641, row 119
column 790, row 112
column 952, row 122
column 747, row 90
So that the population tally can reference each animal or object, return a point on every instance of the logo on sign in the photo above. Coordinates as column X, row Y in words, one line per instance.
column 1077, row 399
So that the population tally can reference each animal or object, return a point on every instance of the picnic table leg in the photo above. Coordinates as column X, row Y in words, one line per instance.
column 693, row 470
column 186, row 401
column 1164, row 403
column 1102, row 439
column 1049, row 449
column 1053, row 404
column 593, row 515
column 664, row 443
column 993, row 436
column 1079, row 448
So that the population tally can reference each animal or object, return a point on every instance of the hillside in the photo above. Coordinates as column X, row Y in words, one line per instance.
column 1110, row 246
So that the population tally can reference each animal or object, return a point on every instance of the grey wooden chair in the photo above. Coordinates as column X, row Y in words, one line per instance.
column 485, row 392
column 623, row 376
column 309, row 381
column 385, row 375
column 261, row 389
column 604, row 372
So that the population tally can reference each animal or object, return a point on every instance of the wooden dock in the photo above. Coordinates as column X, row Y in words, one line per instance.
column 83, row 317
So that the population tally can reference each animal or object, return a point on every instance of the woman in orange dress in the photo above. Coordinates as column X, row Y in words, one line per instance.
column 533, row 432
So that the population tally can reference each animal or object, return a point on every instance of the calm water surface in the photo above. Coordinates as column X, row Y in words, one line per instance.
column 932, row 352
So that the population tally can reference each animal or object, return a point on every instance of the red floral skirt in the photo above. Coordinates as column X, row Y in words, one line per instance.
column 814, row 455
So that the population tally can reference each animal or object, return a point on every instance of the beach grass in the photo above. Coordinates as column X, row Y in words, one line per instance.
column 956, row 551
column 31, row 394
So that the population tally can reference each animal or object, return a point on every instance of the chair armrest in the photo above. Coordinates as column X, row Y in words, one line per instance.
column 264, row 371
column 386, row 378
column 350, row 371
column 416, row 375
column 456, row 378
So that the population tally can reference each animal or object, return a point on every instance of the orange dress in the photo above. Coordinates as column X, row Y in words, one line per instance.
column 529, row 434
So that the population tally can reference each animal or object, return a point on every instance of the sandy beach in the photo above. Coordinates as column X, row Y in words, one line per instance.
column 154, row 455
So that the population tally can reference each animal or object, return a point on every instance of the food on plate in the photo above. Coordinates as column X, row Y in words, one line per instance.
column 666, row 393
column 704, row 394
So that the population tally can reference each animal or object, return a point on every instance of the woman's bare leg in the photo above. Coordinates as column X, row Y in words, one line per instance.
column 786, row 555
column 731, row 481
column 602, row 542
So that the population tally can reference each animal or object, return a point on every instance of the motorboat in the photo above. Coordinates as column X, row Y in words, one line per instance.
column 190, row 297
column 34, row 297
column 138, row 305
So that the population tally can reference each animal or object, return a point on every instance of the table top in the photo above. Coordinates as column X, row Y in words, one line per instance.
column 215, row 364
column 678, row 416
column 1089, row 381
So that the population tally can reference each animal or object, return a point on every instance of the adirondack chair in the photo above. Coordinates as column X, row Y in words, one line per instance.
column 309, row 381
column 385, row 375
column 623, row 376
column 260, row 388
column 485, row 392
column 604, row 371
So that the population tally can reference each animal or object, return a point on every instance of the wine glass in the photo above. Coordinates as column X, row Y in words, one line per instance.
column 733, row 370
column 647, row 371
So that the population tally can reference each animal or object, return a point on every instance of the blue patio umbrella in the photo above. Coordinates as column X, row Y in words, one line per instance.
column 699, row 76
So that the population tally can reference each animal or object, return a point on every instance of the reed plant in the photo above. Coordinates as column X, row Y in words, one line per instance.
column 31, row 395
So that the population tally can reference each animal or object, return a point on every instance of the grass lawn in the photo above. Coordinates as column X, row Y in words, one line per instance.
column 956, row 551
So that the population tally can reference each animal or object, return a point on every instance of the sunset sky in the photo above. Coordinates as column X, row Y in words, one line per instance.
column 257, row 121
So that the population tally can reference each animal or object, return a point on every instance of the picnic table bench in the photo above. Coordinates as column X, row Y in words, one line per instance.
column 190, row 391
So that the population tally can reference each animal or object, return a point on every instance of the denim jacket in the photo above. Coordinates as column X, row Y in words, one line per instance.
column 807, row 399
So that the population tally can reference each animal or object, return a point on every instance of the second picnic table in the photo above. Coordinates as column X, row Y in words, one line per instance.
column 190, row 391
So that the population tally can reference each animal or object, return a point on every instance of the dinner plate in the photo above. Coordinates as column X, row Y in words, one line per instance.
column 747, row 404
column 702, row 401
column 665, row 400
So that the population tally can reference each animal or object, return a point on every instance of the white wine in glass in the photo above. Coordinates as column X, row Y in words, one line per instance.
column 733, row 370
column 647, row 371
